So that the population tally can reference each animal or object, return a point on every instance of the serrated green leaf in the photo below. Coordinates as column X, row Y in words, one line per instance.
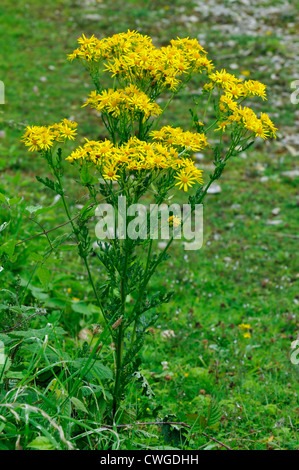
column 214, row 413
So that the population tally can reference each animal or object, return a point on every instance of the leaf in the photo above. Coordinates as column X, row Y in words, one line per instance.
column 3, row 226
column 41, row 443
column 210, row 446
column 173, row 434
column 146, row 389
column 202, row 421
column 60, row 239
column 97, row 370
column 3, row 198
column 6, row 366
column 79, row 404
column 195, row 421
column 15, row 374
column 33, row 209
column 8, row 248
column 57, row 302
column 247, row 146
column 40, row 333
column 50, row 184
column 86, row 177
column 214, row 413
column 82, row 308
column 97, row 390
column 69, row 247
column 38, row 293
column 15, row 200
column 44, row 276
column 37, row 257
column 102, row 372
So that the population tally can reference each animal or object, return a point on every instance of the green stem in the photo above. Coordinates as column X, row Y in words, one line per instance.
column 142, row 291
column 120, row 334
column 206, row 107
column 166, row 106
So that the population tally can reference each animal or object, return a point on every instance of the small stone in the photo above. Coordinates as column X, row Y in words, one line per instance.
column 274, row 222
column 199, row 156
column 292, row 150
column 2, row 134
column 214, row 189
column 93, row 17
column 162, row 245
column 43, row 79
column 276, row 211
column 291, row 174
column 260, row 167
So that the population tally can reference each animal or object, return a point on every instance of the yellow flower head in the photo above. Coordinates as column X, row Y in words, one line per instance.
column 244, row 326
column 174, row 221
column 185, row 179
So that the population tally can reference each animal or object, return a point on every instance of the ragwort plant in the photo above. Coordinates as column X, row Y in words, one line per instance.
column 141, row 159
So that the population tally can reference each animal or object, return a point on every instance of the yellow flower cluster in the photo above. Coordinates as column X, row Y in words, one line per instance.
column 43, row 137
column 143, row 72
column 246, row 118
column 94, row 49
column 244, row 326
column 234, row 114
column 132, row 56
column 137, row 155
column 122, row 102
column 236, row 87
column 176, row 136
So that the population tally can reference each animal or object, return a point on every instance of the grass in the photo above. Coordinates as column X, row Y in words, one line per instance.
column 245, row 272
